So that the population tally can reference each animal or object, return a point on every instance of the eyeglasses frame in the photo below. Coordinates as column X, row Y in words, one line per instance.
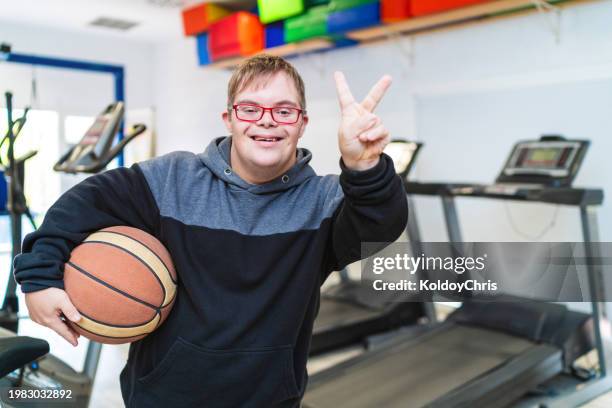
column 301, row 112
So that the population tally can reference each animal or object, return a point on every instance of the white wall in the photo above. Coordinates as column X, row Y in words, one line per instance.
column 71, row 92
column 468, row 92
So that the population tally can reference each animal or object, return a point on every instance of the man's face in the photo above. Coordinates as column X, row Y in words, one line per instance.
column 254, row 159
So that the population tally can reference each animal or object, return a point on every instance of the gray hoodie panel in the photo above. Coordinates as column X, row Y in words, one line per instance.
column 216, row 198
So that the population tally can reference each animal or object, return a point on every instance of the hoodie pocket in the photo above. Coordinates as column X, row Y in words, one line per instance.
column 193, row 376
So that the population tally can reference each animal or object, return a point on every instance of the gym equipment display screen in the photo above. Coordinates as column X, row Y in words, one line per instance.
column 552, row 159
column 95, row 131
column 402, row 154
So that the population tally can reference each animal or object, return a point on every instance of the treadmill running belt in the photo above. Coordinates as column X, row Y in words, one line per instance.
column 418, row 372
column 339, row 313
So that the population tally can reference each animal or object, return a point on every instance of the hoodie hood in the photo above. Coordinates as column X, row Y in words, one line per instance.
column 217, row 158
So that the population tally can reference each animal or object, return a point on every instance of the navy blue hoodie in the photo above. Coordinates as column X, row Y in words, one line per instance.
column 250, row 261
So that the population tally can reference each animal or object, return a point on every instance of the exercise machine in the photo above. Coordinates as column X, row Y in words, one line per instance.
column 476, row 357
column 24, row 362
column 95, row 150
column 348, row 314
column 16, row 205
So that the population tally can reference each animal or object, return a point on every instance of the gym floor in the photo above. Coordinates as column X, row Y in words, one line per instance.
column 107, row 394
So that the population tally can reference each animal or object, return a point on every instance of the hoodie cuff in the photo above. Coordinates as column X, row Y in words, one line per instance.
column 371, row 185
column 360, row 176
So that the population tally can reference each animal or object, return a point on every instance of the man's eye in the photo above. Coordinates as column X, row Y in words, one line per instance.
column 283, row 112
column 249, row 110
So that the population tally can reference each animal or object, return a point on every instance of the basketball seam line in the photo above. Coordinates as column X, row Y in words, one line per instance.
column 142, row 261
column 146, row 246
column 79, row 269
column 119, row 326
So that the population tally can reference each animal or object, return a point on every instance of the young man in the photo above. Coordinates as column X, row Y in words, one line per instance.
column 253, row 233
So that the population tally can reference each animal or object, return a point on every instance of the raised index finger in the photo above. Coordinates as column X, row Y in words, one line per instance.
column 342, row 89
column 376, row 93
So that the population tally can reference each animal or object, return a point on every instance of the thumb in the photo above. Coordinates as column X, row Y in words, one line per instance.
column 69, row 310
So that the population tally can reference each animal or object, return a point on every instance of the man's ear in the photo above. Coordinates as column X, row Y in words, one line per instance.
column 304, row 123
column 227, row 119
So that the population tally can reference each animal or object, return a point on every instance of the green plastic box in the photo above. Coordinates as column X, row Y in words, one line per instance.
column 313, row 23
column 337, row 5
column 275, row 10
column 313, row 3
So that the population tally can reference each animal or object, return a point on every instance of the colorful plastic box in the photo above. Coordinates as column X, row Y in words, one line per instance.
column 394, row 10
column 313, row 23
column 338, row 5
column 423, row 7
column 353, row 18
column 197, row 19
column 239, row 34
column 276, row 10
column 313, row 3
column 274, row 34
column 202, row 44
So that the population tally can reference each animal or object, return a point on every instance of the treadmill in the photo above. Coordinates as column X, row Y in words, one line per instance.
column 482, row 355
column 347, row 313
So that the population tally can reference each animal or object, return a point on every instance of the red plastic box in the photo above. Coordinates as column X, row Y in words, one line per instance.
column 239, row 34
column 423, row 7
column 197, row 19
column 394, row 10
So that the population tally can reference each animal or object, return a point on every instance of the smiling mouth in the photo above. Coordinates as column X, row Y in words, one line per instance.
column 266, row 138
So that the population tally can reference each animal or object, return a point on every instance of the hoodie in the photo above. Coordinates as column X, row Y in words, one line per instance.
column 250, row 260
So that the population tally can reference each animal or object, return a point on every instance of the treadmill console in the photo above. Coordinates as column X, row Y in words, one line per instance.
column 552, row 161
column 403, row 153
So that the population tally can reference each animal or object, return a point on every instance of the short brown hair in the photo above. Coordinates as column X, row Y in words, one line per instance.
column 262, row 65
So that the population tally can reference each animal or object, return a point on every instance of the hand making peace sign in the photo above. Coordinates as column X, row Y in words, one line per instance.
column 362, row 136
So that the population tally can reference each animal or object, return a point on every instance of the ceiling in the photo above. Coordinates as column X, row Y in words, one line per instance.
column 157, row 20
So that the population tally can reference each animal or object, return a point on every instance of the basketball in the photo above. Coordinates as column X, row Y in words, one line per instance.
column 123, row 283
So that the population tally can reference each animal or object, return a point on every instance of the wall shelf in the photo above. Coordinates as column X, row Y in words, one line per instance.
column 435, row 21
column 477, row 12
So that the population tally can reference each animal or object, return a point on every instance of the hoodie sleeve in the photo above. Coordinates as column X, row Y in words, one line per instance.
column 374, row 209
column 115, row 197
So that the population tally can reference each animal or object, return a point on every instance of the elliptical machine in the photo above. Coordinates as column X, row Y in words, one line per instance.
column 24, row 362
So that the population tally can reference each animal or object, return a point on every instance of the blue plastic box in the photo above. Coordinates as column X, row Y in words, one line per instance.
column 275, row 34
column 354, row 18
column 203, row 57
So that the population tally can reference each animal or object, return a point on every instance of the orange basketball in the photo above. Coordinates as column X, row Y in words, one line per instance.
column 122, row 281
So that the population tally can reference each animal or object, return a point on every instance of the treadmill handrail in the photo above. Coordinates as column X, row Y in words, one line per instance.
column 552, row 195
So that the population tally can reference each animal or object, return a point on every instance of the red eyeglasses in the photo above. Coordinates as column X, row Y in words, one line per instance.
column 280, row 114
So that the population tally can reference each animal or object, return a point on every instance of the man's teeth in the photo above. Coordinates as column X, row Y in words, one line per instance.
column 266, row 139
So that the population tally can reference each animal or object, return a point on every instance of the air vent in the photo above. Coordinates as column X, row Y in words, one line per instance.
column 113, row 23
column 167, row 3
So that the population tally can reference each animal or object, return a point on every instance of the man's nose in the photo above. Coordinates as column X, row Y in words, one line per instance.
column 267, row 120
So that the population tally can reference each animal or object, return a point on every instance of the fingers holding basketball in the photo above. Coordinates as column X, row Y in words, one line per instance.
column 61, row 328
column 46, row 307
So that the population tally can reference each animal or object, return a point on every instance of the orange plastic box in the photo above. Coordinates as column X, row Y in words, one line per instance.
column 198, row 18
column 239, row 34
column 423, row 7
column 394, row 10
